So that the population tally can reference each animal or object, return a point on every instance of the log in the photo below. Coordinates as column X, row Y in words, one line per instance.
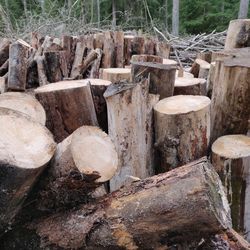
column 108, row 60
column 98, row 41
column 185, row 74
column 42, row 77
column 4, row 50
column 230, row 109
column 4, row 68
column 163, row 49
column 190, row 86
column 206, row 56
column 162, row 77
column 17, row 67
column 95, row 68
column 64, row 110
column 138, row 45
column 24, row 103
column 238, row 34
column 150, row 46
column 231, row 159
column 140, row 216
column 147, row 58
column 82, row 162
column 210, row 79
column 169, row 62
column 128, row 41
column 199, row 65
column 116, row 74
column 182, row 126
column 3, row 85
column 130, row 127
column 119, row 49
column 26, row 148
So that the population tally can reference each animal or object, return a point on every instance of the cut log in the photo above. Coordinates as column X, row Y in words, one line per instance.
column 68, row 106
column 26, row 148
column 182, row 126
column 108, row 59
column 3, row 85
column 163, row 49
column 82, row 162
column 141, row 216
column 147, row 58
column 238, row 34
column 23, row 103
column 231, row 159
column 150, row 46
column 119, row 49
column 230, row 109
column 210, row 79
column 130, row 127
column 190, row 86
column 204, row 71
column 17, row 67
column 116, row 74
column 95, row 68
column 169, row 62
column 128, row 41
column 4, row 50
column 199, row 65
column 138, row 45
column 42, row 77
column 162, row 77
column 98, row 41
column 206, row 56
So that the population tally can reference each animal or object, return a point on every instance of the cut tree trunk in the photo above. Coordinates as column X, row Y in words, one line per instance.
column 130, row 127
column 95, row 68
column 108, row 60
column 119, row 49
column 150, row 46
column 4, row 50
column 3, row 85
column 24, row 103
column 42, row 77
column 182, row 126
column 163, row 49
column 138, row 45
column 200, row 68
column 161, row 77
column 169, row 62
column 116, row 74
column 230, row 109
column 68, row 106
column 190, row 86
column 231, row 159
column 210, row 79
column 128, row 42
column 26, row 148
column 140, row 216
column 206, row 56
column 147, row 58
column 238, row 34
column 185, row 74
column 98, row 41
column 82, row 162
column 17, row 74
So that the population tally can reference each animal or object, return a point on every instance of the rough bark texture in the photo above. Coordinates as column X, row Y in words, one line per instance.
column 150, row 46
column 210, row 79
column 142, row 216
column 3, row 85
column 95, row 68
column 182, row 129
column 4, row 50
column 138, row 45
column 108, row 60
column 128, row 41
column 64, row 110
column 42, row 77
column 163, row 49
column 119, row 49
column 130, row 127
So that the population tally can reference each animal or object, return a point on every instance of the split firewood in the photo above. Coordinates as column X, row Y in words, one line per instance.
column 130, row 127
column 200, row 68
column 24, row 103
column 108, row 60
column 68, row 106
column 128, row 41
column 17, row 74
column 190, row 86
column 176, row 145
column 231, row 159
column 4, row 50
column 95, row 67
column 4, row 68
column 3, row 85
column 238, row 34
column 139, row 216
column 116, row 74
column 138, row 45
column 163, row 49
column 26, row 148
column 42, row 77
column 119, row 49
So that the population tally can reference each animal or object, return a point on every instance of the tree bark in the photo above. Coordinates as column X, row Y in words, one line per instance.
column 182, row 126
column 210, row 80
column 108, row 60
column 243, row 11
column 130, row 127
column 116, row 74
column 117, row 223
column 128, row 42
column 95, row 68
column 3, row 85
column 42, row 77
column 20, row 163
column 63, row 110
column 4, row 50
column 163, row 49
column 175, row 17
column 119, row 49
column 138, row 45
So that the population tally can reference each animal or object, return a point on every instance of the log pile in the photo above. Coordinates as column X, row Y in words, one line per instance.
column 106, row 143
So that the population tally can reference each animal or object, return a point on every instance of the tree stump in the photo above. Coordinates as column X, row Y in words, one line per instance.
column 150, row 46
column 182, row 126
column 190, row 86
column 128, row 41
column 169, row 62
column 163, row 49
column 130, row 127
column 24, row 103
column 231, row 159
column 26, row 148
column 206, row 56
column 116, row 74
column 138, row 45
column 3, row 85
column 238, row 34
column 68, row 106
column 200, row 68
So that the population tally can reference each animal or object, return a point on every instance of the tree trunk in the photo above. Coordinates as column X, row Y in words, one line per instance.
column 166, row 16
column 119, row 49
column 130, row 127
column 95, row 68
column 65, row 113
column 108, row 60
column 163, row 49
column 113, row 14
column 175, row 17
column 3, row 85
column 20, row 163
column 210, row 80
column 98, row 13
column 181, row 130
column 138, row 45
column 116, row 74
column 243, row 11
column 128, row 42
column 17, row 67
column 206, row 56
column 192, row 195
column 231, row 158
column 42, row 77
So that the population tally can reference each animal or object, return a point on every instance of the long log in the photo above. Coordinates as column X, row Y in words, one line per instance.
column 143, row 215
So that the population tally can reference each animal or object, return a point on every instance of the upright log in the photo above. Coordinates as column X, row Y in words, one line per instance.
column 119, row 49
column 108, row 60
column 95, row 68
column 150, row 46
column 143, row 215
column 210, row 79
column 68, row 106
column 116, row 74
column 130, row 127
column 4, row 50
column 200, row 68
column 138, row 45
column 128, row 41
column 17, row 67
column 163, row 49
column 238, row 34
column 182, row 126
column 3, row 85
column 26, row 148
column 231, row 159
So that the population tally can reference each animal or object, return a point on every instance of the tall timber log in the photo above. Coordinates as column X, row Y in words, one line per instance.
column 98, row 41
column 182, row 126
column 42, row 77
column 189, row 86
column 162, row 77
column 108, row 60
column 116, row 74
column 238, row 34
column 68, row 106
column 82, row 162
column 150, row 46
column 95, row 67
column 4, row 50
column 24, row 103
column 230, row 109
column 200, row 68
column 128, row 41
column 119, row 49
column 26, row 148
column 143, row 215
column 17, row 74
column 130, row 127
column 231, row 159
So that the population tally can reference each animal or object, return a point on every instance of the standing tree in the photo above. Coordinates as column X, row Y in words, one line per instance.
column 175, row 17
column 243, row 11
